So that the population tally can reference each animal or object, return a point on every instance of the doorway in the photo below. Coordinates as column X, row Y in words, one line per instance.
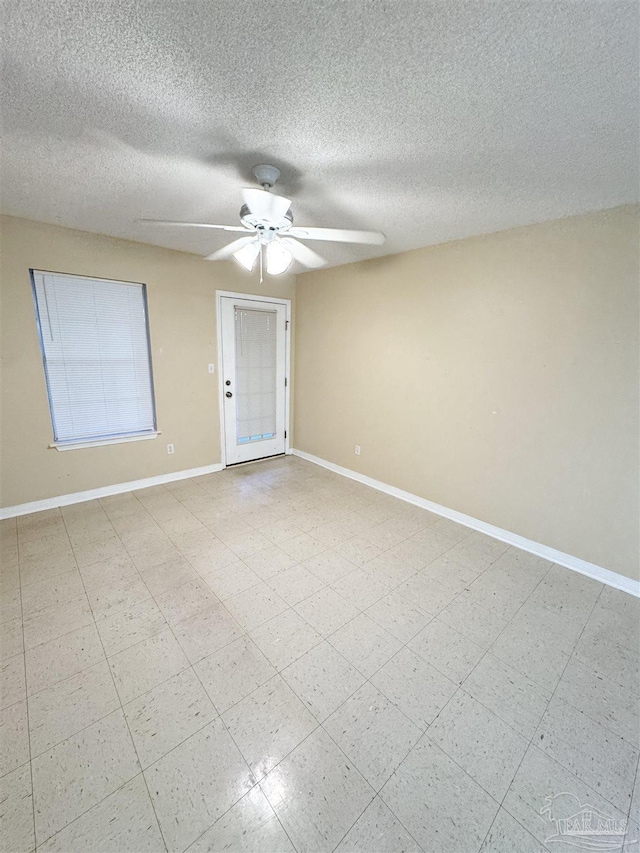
column 253, row 335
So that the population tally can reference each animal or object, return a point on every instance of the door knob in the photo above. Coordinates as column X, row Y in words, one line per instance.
column 228, row 394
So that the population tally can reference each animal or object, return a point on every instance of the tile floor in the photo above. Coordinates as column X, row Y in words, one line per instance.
column 275, row 658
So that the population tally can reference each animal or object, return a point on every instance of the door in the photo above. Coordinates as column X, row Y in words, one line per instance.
column 254, row 350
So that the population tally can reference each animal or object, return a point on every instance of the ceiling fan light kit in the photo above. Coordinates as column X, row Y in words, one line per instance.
column 267, row 221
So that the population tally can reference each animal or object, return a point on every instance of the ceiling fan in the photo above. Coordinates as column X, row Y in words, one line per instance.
column 270, row 236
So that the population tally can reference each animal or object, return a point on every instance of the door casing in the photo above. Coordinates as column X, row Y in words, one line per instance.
column 220, row 294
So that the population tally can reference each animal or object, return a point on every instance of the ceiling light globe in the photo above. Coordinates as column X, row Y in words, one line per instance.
column 278, row 258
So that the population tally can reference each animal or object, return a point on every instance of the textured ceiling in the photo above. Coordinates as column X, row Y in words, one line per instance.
column 427, row 120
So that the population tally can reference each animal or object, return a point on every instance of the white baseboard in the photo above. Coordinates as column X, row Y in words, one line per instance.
column 105, row 491
column 567, row 560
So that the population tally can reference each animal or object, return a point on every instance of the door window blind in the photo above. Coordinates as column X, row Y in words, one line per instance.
column 256, row 362
column 95, row 348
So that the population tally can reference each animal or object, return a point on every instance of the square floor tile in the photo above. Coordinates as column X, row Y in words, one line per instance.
column 326, row 611
column 268, row 724
column 399, row 616
column 359, row 550
column 269, row 562
column 500, row 591
column 317, row 794
column 174, row 573
column 447, row 650
column 480, row 742
column 373, row 733
column 124, row 822
column 601, row 699
column 182, row 602
column 46, row 565
column 360, row 588
column 54, row 622
column 323, row 679
column 428, row 594
column 610, row 656
column 233, row 672
column 286, row 638
column 16, row 811
column 168, row 714
column 232, row 579
column 52, row 542
column 377, row 829
column 11, row 639
column 207, row 632
column 536, row 655
column 128, row 627
column 147, row 664
column 103, row 548
column 14, row 737
column 473, row 621
column 54, row 661
column 302, row 547
column 415, row 687
column 539, row 780
column 59, row 711
column 251, row 826
column 51, row 592
column 278, row 531
column 438, row 803
column 13, row 685
column 248, row 543
column 10, row 604
column 187, row 796
column 295, row 584
column 255, row 606
column 80, row 772
column 329, row 566
column 116, row 570
column 113, row 598
column 516, row 699
column 390, row 569
column 365, row 644
column 594, row 754
column 507, row 834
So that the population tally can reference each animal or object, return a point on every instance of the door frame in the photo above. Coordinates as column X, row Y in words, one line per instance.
column 232, row 294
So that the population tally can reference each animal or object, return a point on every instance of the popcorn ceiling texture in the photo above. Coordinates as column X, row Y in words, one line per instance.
column 428, row 120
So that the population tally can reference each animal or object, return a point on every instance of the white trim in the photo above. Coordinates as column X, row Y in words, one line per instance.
column 287, row 405
column 559, row 557
column 98, row 442
column 105, row 491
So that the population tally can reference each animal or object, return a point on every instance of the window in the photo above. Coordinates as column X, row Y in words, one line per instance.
column 95, row 348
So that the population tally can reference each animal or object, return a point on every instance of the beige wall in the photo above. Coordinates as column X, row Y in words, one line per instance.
column 497, row 376
column 181, row 295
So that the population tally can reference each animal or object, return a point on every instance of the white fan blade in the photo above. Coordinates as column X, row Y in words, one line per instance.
column 306, row 256
column 338, row 235
column 268, row 205
column 227, row 251
column 196, row 225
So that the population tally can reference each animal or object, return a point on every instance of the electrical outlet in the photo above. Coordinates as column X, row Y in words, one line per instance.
column 170, row 449
column 357, row 450
column 212, row 368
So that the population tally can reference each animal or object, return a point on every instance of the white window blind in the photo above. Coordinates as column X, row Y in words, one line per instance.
column 256, row 362
column 95, row 347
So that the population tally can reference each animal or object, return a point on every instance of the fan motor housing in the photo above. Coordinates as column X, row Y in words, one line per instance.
column 251, row 220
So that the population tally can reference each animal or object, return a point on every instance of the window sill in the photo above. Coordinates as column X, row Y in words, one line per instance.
column 99, row 442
